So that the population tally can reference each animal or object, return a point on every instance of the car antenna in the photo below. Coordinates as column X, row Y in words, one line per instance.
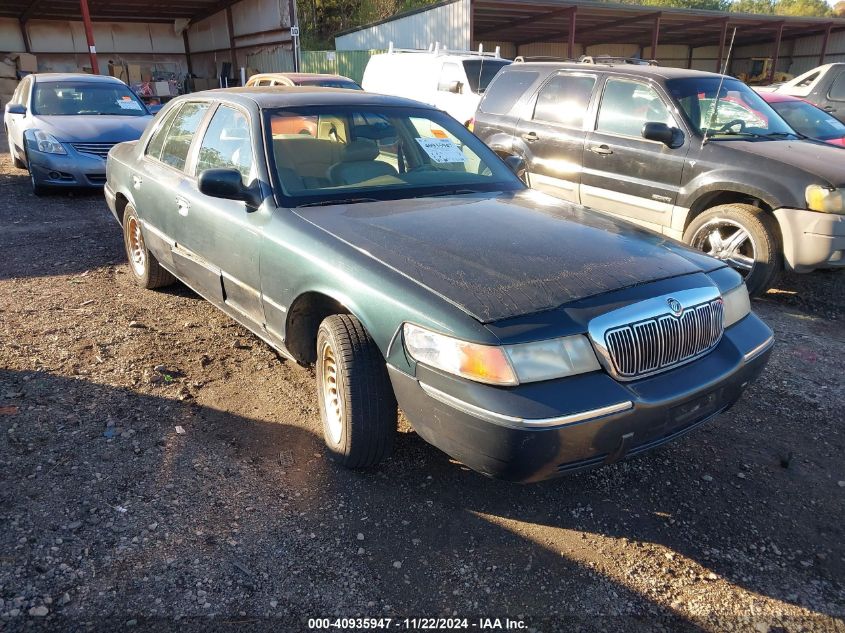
column 481, row 65
column 719, row 90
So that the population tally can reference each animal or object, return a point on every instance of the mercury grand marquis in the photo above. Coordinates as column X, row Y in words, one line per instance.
column 525, row 336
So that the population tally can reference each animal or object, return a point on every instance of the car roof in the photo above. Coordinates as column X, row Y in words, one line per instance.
column 640, row 70
column 74, row 77
column 293, row 96
column 300, row 76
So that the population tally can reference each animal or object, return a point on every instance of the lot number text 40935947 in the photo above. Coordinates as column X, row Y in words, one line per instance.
column 417, row 624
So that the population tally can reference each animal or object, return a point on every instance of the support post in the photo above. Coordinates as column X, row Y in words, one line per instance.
column 772, row 71
column 824, row 43
column 25, row 36
column 723, row 37
column 654, row 35
column 187, row 45
column 232, row 52
column 89, row 35
column 570, row 46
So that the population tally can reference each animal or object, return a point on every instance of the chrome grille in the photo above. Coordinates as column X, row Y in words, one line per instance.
column 97, row 149
column 664, row 341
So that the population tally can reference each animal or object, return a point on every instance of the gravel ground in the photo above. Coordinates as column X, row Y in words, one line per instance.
column 161, row 468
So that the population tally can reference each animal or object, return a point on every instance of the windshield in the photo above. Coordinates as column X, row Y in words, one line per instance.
column 738, row 111
column 480, row 72
column 324, row 153
column 810, row 120
column 331, row 83
column 73, row 98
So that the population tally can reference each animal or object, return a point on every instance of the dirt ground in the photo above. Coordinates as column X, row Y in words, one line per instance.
column 162, row 469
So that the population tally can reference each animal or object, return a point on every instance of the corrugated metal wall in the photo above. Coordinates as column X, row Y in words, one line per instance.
column 448, row 24
column 347, row 63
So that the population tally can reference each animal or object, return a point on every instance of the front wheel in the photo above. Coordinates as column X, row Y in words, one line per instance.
column 357, row 405
column 37, row 188
column 743, row 236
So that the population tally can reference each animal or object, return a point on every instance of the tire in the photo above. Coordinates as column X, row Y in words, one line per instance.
column 357, row 405
column 15, row 160
column 756, row 252
column 37, row 190
column 146, row 270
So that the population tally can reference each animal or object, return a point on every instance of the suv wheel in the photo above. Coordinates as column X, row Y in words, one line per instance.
column 356, row 400
column 146, row 270
column 743, row 236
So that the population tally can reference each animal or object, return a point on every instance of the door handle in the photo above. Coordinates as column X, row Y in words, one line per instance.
column 601, row 149
column 136, row 182
column 182, row 206
column 531, row 137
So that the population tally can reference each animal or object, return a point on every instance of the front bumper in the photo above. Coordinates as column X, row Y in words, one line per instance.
column 73, row 169
column 812, row 240
column 542, row 430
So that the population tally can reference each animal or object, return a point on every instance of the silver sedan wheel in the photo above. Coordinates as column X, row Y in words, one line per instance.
column 137, row 250
column 332, row 401
column 729, row 241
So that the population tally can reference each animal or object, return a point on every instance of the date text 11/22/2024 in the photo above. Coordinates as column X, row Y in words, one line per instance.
column 417, row 624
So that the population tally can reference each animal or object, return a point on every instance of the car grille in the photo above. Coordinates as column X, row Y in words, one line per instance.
column 97, row 149
column 664, row 341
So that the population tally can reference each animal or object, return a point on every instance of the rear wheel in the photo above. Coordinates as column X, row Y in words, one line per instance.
column 146, row 270
column 745, row 237
column 357, row 405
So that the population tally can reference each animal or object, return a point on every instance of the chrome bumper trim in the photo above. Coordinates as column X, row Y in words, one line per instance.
column 523, row 423
column 762, row 347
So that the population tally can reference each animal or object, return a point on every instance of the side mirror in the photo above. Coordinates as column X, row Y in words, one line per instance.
column 450, row 86
column 227, row 183
column 517, row 166
column 662, row 133
column 15, row 108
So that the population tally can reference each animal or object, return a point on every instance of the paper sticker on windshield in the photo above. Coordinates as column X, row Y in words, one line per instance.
column 129, row 105
column 442, row 150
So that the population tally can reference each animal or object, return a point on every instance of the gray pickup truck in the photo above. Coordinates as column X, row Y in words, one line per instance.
column 692, row 155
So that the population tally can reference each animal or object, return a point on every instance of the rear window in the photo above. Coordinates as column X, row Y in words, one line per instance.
column 506, row 90
column 480, row 72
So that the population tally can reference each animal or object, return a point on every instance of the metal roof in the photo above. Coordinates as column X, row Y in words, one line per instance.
column 527, row 21
column 112, row 11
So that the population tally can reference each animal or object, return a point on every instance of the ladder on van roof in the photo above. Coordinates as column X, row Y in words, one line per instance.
column 437, row 49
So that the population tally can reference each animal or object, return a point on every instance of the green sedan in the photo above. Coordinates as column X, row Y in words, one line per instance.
column 378, row 239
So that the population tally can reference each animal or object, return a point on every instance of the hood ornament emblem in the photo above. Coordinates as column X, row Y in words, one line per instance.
column 675, row 306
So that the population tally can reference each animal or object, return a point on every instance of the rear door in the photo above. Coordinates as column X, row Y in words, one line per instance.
column 623, row 173
column 552, row 133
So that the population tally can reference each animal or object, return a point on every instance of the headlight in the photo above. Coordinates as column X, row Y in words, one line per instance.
column 44, row 142
column 501, row 365
column 736, row 305
column 825, row 199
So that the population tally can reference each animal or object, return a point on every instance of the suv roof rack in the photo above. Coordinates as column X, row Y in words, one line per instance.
column 610, row 60
column 438, row 49
column 541, row 58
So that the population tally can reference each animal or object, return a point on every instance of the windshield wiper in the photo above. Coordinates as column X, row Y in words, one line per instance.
column 327, row 203
column 783, row 134
column 450, row 192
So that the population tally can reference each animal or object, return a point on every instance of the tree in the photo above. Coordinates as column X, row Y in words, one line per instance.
column 783, row 7
column 839, row 9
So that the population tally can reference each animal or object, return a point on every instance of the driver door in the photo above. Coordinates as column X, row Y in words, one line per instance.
column 623, row 173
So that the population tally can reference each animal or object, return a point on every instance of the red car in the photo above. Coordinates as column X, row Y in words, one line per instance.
column 806, row 118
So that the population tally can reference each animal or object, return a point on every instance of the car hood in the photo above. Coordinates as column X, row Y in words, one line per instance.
column 816, row 158
column 93, row 129
column 498, row 256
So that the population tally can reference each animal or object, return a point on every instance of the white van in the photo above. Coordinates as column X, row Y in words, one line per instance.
column 450, row 80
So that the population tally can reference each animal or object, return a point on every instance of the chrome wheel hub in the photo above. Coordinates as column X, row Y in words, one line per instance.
column 332, row 404
column 729, row 241
column 137, row 251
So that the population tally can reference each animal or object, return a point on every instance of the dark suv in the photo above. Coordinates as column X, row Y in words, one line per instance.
column 693, row 155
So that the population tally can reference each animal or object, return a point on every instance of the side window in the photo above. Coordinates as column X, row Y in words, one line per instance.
column 837, row 89
column 21, row 92
column 449, row 74
column 505, row 90
column 177, row 140
column 564, row 100
column 227, row 143
column 156, row 143
column 628, row 105
column 805, row 83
